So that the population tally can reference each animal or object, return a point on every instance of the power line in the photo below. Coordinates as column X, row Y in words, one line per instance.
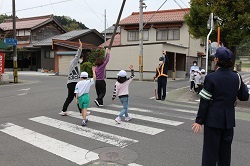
column 93, row 11
column 52, row 7
column 184, row 4
column 154, row 14
column 39, row 6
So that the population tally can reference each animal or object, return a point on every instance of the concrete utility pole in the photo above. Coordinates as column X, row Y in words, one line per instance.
column 14, row 46
column 105, row 34
column 211, row 26
column 141, row 41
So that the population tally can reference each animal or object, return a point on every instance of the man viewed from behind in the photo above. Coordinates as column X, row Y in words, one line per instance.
column 217, row 110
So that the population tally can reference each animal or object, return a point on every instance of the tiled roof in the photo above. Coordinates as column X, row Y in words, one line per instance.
column 25, row 23
column 111, row 30
column 66, row 36
column 73, row 45
column 116, row 42
column 174, row 15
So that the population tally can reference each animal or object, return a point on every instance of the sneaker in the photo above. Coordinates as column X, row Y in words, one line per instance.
column 128, row 118
column 96, row 102
column 118, row 120
column 63, row 113
column 101, row 105
column 83, row 123
column 86, row 121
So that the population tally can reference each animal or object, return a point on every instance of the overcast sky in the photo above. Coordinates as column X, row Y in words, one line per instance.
column 89, row 12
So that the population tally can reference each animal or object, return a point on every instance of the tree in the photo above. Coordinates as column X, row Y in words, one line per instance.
column 70, row 24
column 235, row 24
column 3, row 17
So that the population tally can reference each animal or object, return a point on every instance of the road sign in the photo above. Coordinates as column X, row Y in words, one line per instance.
column 1, row 63
column 10, row 41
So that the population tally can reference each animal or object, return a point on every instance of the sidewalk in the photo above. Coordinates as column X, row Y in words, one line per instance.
column 183, row 95
column 33, row 73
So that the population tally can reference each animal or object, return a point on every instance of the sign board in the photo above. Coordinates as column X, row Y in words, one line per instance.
column 1, row 63
column 213, row 47
column 10, row 41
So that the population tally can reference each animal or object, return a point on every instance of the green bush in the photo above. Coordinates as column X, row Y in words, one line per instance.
column 91, row 58
column 87, row 67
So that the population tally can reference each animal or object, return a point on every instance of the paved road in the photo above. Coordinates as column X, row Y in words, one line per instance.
column 32, row 132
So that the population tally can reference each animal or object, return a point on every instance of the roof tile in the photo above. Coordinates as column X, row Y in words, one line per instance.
column 24, row 23
column 174, row 15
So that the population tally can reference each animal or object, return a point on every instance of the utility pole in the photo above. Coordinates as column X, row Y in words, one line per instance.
column 141, row 41
column 105, row 34
column 209, row 26
column 14, row 46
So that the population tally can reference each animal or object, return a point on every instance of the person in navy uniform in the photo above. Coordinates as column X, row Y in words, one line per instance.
column 216, row 110
column 161, row 75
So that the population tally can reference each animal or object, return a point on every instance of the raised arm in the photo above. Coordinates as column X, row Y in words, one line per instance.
column 93, row 70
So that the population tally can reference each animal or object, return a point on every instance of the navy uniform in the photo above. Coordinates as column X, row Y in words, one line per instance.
column 217, row 112
column 161, row 75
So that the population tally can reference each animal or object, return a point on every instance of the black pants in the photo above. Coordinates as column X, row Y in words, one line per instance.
column 100, row 87
column 162, row 87
column 191, row 85
column 217, row 146
column 71, row 95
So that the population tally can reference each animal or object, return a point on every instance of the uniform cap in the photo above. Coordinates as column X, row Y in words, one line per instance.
column 203, row 70
column 84, row 74
column 122, row 73
column 161, row 58
column 223, row 53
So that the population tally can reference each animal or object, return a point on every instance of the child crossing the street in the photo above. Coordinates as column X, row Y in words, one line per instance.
column 122, row 91
column 82, row 93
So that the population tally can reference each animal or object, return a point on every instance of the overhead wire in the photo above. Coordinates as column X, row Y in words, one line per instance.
column 154, row 14
column 52, row 7
column 93, row 11
column 34, row 7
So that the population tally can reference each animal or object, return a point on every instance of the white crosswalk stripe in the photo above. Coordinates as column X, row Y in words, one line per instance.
column 141, row 117
column 65, row 150
column 82, row 156
column 127, row 125
column 86, row 132
column 149, row 111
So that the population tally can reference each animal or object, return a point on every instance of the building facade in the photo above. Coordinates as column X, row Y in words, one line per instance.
column 166, row 30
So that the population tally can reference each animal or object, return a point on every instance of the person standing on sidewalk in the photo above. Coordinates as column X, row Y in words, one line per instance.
column 195, row 67
column 122, row 91
column 217, row 110
column 162, row 75
column 73, row 78
column 82, row 93
column 100, row 84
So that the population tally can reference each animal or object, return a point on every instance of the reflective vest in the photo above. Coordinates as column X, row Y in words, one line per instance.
column 160, row 73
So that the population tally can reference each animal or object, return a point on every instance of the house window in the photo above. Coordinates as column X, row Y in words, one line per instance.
column 48, row 54
column 168, row 34
column 134, row 35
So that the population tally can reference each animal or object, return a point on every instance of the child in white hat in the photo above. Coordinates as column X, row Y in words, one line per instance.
column 82, row 93
column 121, row 90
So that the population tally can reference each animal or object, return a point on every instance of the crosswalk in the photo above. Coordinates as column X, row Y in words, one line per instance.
column 79, row 155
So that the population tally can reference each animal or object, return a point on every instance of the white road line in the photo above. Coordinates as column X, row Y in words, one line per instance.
column 21, row 94
column 141, row 117
column 65, row 150
column 86, row 132
column 123, row 125
column 23, row 89
column 131, row 108
column 134, row 164
column 144, row 110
